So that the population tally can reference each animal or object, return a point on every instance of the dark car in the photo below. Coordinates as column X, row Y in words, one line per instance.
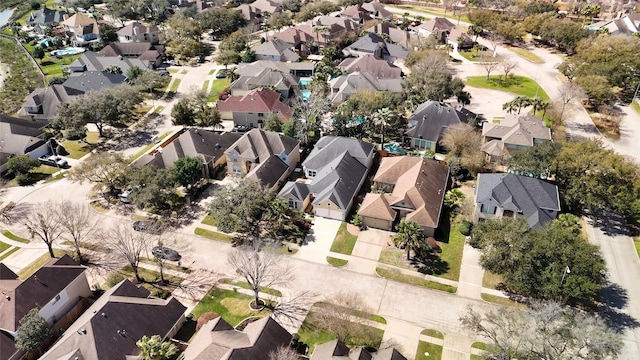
column 221, row 75
column 165, row 253
column 152, row 227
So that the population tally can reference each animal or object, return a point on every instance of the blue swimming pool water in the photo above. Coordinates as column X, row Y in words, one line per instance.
column 305, row 94
column 305, row 82
column 67, row 52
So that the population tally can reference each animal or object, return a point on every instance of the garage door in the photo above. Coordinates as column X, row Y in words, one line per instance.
column 330, row 214
column 376, row 223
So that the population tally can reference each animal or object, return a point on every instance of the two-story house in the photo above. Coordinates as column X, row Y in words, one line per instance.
column 82, row 28
column 430, row 120
column 138, row 32
column 251, row 109
column 515, row 132
column 510, row 195
column 406, row 187
column 264, row 156
column 372, row 43
column 21, row 137
column 275, row 50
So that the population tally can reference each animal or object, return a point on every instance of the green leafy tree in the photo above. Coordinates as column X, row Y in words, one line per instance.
column 187, row 172
column 280, row 20
column 38, row 53
column 194, row 110
column 228, row 57
column 236, row 42
column 289, row 128
column 538, row 160
column 155, row 189
column 539, row 7
column 153, row 348
column 248, row 56
column 182, row 113
column 150, row 80
column 597, row 89
column 475, row 31
column 291, row 5
column 410, row 236
column 273, row 123
column 108, row 33
column 32, row 331
column 431, row 79
column 21, row 165
column 103, row 168
column 222, row 21
column 133, row 73
column 591, row 11
column 183, row 37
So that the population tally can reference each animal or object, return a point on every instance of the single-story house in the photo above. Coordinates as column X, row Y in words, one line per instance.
column 113, row 324
column 343, row 86
column 298, row 69
column 372, row 43
column 83, row 28
column 406, row 187
column 298, row 37
column 264, row 156
column 373, row 65
column 138, row 32
column 251, row 109
column 143, row 51
column 42, row 103
column 336, row 167
column 90, row 61
column 276, row 50
column 46, row 17
column 513, row 133
column 55, row 289
column 284, row 83
column 207, row 145
column 429, row 121
column 336, row 350
column 217, row 340
column 93, row 80
column 627, row 24
column 515, row 196
column 458, row 39
column 21, row 137
column 269, row 6
column 250, row 13
column 395, row 34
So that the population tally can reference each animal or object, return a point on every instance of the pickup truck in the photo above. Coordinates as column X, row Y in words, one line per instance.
column 54, row 160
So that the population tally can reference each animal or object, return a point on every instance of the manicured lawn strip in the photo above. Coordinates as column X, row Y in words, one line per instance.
column 158, row 109
column 14, row 237
column 491, row 280
column 526, row 54
column 452, row 253
column 501, row 300
column 232, row 306
column 167, row 265
column 45, row 170
column 218, row 86
column 373, row 317
column 78, row 148
column 434, row 351
column 635, row 106
column 212, row 71
column 142, row 152
column 209, row 220
column 97, row 206
column 8, row 253
column 344, row 241
column 213, row 235
column 481, row 346
column 473, row 55
column 245, row 285
column 311, row 335
column 336, row 262
column 476, row 357
column 150, row 275
column 414, row 280
column 4, row 246
column 183, row 72
column 205, row 86
column 521, row 85
column 174, row 85
column 636, row 242
column 173, row 71
column 433, row 333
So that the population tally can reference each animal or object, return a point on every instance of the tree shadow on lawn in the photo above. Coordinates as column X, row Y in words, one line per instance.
column 613, row 299
column 429, row 264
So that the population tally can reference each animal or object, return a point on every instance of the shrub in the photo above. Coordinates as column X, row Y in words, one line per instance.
column 356, row 220
column 35, row 5
column 113, row 279
column 60, row 150
column 23, row 179
column 465, row 228
column 204, row 318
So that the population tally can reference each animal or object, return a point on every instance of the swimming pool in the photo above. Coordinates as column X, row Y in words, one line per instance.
column 67, row 51
column 305, row 81
column 306, row 94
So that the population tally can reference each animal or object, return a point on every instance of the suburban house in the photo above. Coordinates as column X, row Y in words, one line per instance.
column 276, row 50
column 42, row 103
column 373, row 65
column 396, row 35
column 458, row 39
column 331, row 27
column 439, row 27
column 90, row 61
column 374, row 44
column 217, row 340
column 138, row 32
column 515, row 196
column 250, row 13
column 93, row 80
column 269, row 6
column 336, row 350
column 21, row 137
column 83, row 29
column 343, row 86
column 406, row 187
column 207, row 145
column 284, row 83
column 113, row 324
column 336, row 167
column 251, row 109
column 144, row 51
column 57, row 289
column 46, row 17
column 355, row 13
column 429, row 121
column 298, row 37
column 515, row 132
column 377, row 10
column 624, row 25
column 265, row 156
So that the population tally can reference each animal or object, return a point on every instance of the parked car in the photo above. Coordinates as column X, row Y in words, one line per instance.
column 221, row 75
column 54, row 160
column 124, row 197
column 150, row 226
column 165, row 253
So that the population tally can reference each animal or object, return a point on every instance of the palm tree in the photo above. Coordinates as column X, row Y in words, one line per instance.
column 153, row 348
column 475, row 30
column 410, row 236
column 539, row 104
column 380, row 118
column 510, row 106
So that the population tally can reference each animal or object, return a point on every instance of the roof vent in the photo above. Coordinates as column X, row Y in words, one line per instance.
column 122, row 333
column 103, row 315
column 217, row 146
column 82, row 331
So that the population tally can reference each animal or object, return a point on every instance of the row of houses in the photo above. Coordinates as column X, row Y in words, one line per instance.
column 108, row 327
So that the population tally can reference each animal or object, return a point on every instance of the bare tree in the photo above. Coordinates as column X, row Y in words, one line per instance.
column 293, row 308
column 284, row 353
column 309, row 113
column 567, row 93
column 545, row 331
column 129, row 245
column 342, row 316
column 507, row 66
column 489, row 64
column 44, row 222
column 261, row 269
column 464, row 142
column 77, row 221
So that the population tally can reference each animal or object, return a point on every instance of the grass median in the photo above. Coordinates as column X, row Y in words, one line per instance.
column 213, row 235
column 396, row 275
column 519, row 85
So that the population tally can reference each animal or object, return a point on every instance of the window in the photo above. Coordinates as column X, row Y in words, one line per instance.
column 56, row 299
column 423, row 144
column 488, row 209
column 293, row 204
column 260, row 114
column 236, row 169
column 234, row 157
column 311, row 173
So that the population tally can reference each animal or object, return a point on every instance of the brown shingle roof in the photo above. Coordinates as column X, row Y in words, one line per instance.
column 376, row 206
column 257, row 101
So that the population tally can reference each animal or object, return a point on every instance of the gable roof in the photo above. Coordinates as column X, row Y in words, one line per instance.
column 335, row 24
column 276, row 47
column 295, row 35
column 93, row 80
column 48, row 98
column 36, row 291
column 46, row 16
column 90, row 61
column 192, row 143
column 377, row 206
column 345, row 85
column 527, row 196
column 370, row 64
column 329, row 148
column 217, row 340
column 338, row 181
column 437, row 24
column 79, row 19
column 256, row 67
column 335, row 350
column 19, row 136
column 132, row 49
column 298, row 191
column 396, row 35
column 356, row 12
column 517, row 130
column 267, row 5
column 110, row 328
column 430, row 119
column 376, row 8
column 266, row 78
column 419, row 183
column 371, row 41
column 257, row 101
column 129, row 29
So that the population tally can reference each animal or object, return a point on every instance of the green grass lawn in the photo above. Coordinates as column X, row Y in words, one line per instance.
column 526, row 54
column 491, row 280
column 158, row 109
column 473, row 55
column 637, row 244
column 174, row 85
column 518, row 85
column 213, row 235
column 38, row 263
column 173, row 71
column 212, row 71
column 219, row 85
column 14, row 237
column 150, row 275
column 183, row 72
column 635, row 106
column 232, row 306
column 434, row 351
column 205, row 86
column 501, row 300
column 142, row 152
column 433, row 333
column 8, row 253
column 414, row 280
column 245, row 285
column 452, row 253
column 373, row 317
column 209, row 220
column 337, row 262
column 344, row 241
column 4, row 246
column 78, row 149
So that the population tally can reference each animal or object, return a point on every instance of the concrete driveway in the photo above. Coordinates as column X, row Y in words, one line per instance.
column 366, row 252
column 319, row 240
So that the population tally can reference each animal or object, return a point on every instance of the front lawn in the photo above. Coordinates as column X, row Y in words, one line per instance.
column 80, row 148
column 428, row 351
column 414, row 280
column 209, row 220
column 8, row 253
column 245, row 285
column 336, row 262
column 526, row 54
column 636, row 242
column 515, row 84
column 491, row 280
column 4, row 246
column 217, row 88
column 344, row 241
column 232, row 306
column 213, row 235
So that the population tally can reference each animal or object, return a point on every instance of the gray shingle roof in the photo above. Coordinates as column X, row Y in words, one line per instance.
column 300, row 191
column 329, row 148
column 335, row 350
column 431, row 118
column 346, row 85
column 266, row 78
column 521, row 194
column 90, row 61
column 46, row 16
column 370, row 42
column 94, row 80
column 338, row 181
column 49, row 98
column 517, row 130
column 277, row 47
column 370, row 64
